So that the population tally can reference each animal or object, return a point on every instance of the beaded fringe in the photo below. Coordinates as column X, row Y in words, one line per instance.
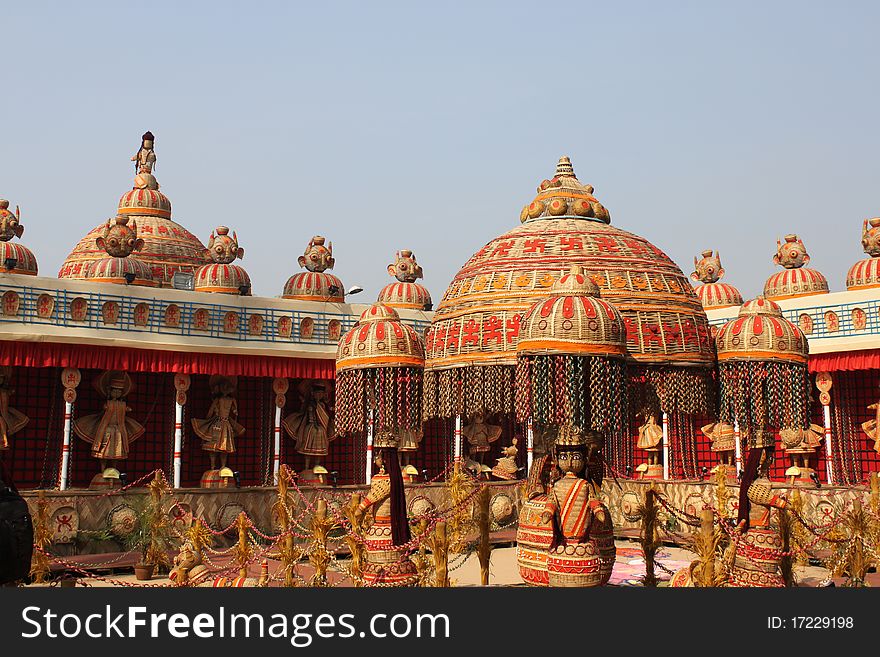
column 394, row 394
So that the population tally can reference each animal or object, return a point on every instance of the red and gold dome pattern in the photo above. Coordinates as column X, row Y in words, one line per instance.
column 573, row 321
column 404, row 294
column 380, row 339
column 761, row 333
column 25, row 260
column 222, row 278
column 793, row 283
column 718, row 295
column 114, row 270
column 479, row 319
column 145, row 203
column 864, row 274
column 314, row 286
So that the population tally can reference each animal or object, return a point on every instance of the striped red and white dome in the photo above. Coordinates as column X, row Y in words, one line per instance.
column 404, row 294
column 761, row 333
column 25, row 260
column 573, row 321
column 718, row 295
column 145, row 202
column 114, row 270
column 793, row 283
column 222, row 278
column 380, row 339
column 314, row 286
column 864, row 274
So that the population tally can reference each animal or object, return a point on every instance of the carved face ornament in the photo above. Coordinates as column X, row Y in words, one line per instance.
column 708, row 269
column 222, row 248
column 405, row 268
column 792, row 253
column 10, row 223
column 119, row 238
column 871, row 236
column 317, row 257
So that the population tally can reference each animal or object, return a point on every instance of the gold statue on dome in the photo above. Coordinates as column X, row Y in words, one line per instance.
column 112, row 431
column 708, row 269
column 145, row 159
column 311, row 426
column 11, row 420
column 791, row 253
column 479, row 435
column 220, row 429
column 223, row 249
column 317, row 257
column 506, row 467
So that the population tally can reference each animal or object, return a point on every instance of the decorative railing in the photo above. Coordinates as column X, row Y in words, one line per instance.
column 836, row 320
column 199, row 315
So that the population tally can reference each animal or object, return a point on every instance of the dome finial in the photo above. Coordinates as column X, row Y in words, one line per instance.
column 564, row 168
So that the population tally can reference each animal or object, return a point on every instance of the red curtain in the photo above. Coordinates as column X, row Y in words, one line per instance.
column 54, row 354
column 867, row 359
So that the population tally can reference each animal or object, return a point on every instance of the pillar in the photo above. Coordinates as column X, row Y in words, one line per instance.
column 279, row 387
column 70, row 379
column 665, row 445
column 181, row 385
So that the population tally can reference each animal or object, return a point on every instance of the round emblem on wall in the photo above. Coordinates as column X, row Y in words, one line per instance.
column 629, row 506
column 122, row 520
column 502, row 509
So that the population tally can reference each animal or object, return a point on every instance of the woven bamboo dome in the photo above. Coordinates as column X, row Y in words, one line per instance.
column 168, row 246
column 315, row 284
column 795, row 280
column 405, row 292
column 10, row 226
column 220, row 275
column 119, row 240
column 713, row 294
column 379, row 365
column 471, row 345
column 762, row 369
column 866, row 273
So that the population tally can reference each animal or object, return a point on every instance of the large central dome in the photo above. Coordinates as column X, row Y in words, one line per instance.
column 478, row 321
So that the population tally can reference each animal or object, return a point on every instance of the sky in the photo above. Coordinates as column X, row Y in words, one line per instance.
column 428, row 126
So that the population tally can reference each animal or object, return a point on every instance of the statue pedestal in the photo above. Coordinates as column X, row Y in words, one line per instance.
column 212, row 479
column 312, row 478
column 99, row 482
column 646, row 471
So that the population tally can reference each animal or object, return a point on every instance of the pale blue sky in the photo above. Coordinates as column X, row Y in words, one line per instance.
column 428, row 126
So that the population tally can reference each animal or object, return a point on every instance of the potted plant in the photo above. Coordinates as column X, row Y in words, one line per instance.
column 151, row 536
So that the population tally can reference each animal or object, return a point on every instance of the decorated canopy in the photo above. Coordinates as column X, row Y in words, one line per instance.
column 471, row 345
column 570, row 361
column 379, row 366
column 762, row 370
column 796, row 280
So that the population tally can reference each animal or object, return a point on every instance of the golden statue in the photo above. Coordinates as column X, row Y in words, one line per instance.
column 11, row 420
column 145, row 159
column 310, row 426
column 801, row 444
column 111, row 432
column 479, row 434
column 871, row 426
column 651, row 439
column 506, row 467
column 723, row 437
column 220, row 429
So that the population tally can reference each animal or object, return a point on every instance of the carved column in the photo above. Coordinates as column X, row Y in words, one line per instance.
column 70, row 379
column 181, row 385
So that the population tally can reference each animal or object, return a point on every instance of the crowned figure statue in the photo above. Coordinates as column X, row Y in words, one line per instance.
column 579, row 555
column 112, row 431
column 311, row 426
column 387, row 552
column 11, row 420
column 479, row 435
column 220, row 429
column 145, row 159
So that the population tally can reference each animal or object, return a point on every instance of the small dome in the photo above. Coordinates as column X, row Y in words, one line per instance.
column 796, row 280
column 573, row 321
column 168, row 247
column 380, row 339
column 866, row 273
column 405, row 293
column 565, row 196
column 315, row 284
column 220, row 275
column 114, row 270
column 10, row 226
column 711, row 293
column 761, row 333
